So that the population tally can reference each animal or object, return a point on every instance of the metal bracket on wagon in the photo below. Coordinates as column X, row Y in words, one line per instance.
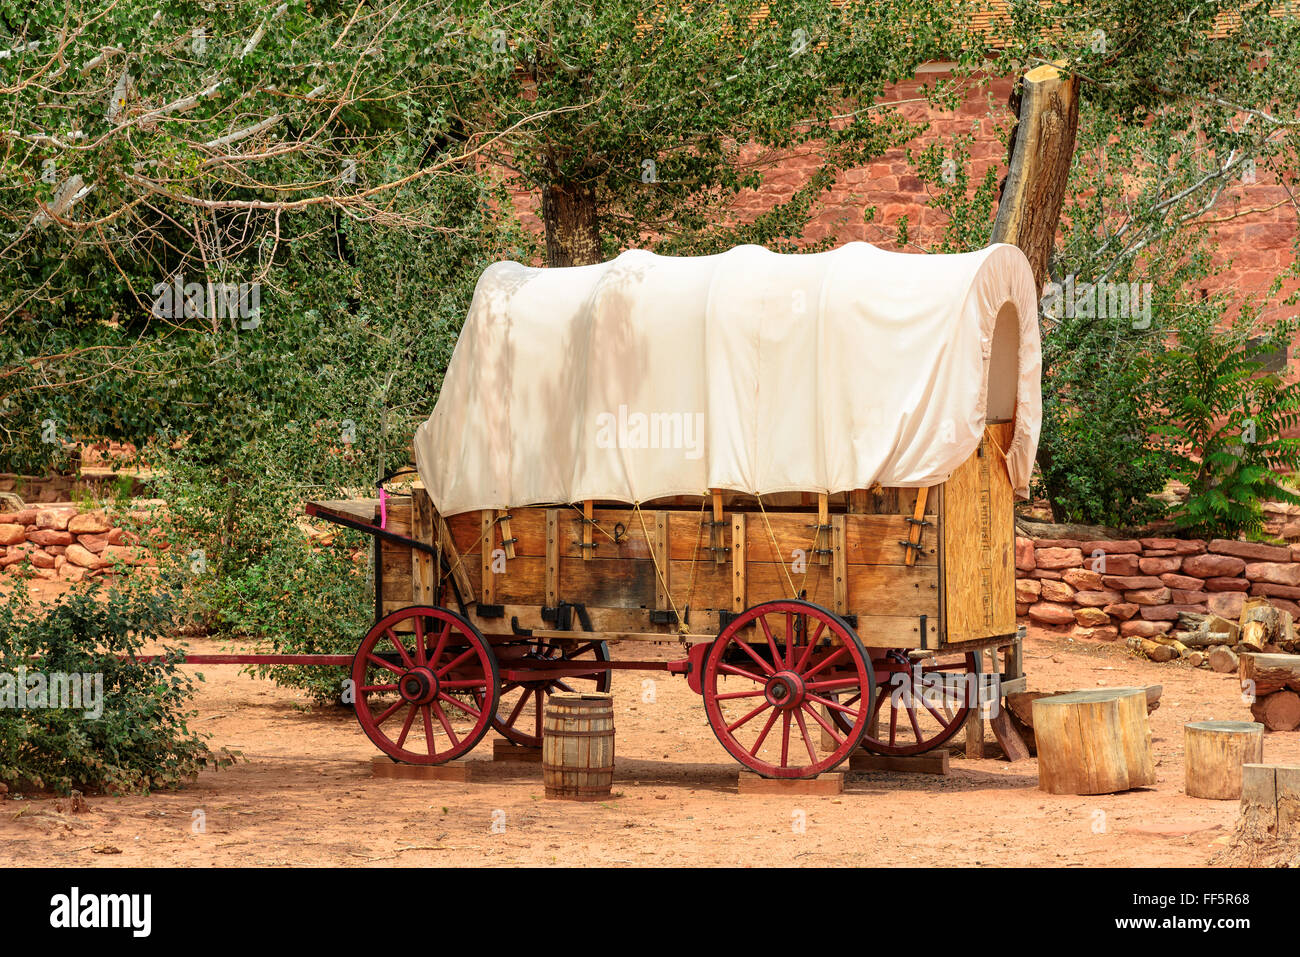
column 692, row 666
column 561, row 616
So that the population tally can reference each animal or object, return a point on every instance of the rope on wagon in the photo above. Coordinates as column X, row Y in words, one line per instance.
column 477, row 545
column 776, row 549
column 663, row 582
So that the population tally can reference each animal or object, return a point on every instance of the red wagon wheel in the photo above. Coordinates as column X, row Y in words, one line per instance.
column 521, row 704
column 921, row 702
column 425, row 682
column 783, row 661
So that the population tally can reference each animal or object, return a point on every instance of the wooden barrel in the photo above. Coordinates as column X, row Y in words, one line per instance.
column 578, row 746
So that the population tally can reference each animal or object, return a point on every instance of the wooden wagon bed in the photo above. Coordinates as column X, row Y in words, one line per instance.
column 638, row 572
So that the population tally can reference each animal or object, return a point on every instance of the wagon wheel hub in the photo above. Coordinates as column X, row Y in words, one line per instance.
column 419, row 685
column 785, row 690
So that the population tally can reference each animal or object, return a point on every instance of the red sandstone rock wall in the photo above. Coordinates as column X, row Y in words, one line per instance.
column 1105, row 589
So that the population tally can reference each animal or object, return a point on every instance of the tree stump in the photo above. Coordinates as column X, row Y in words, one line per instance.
column 1268, row 828
column 1214, row 751
column 1094, row 742
column 1270, row 801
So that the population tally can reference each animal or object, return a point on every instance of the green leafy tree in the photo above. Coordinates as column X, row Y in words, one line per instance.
column 652, row 120
column 1179, row 103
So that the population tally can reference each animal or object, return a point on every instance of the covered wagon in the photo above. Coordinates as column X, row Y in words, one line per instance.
column 798, row 468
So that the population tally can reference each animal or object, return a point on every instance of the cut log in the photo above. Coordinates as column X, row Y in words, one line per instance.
column 1270, row 673
column 1223, row 659
column 1213, row 754
column 1093, row 742
column 1155, row 650
column 1261, row 624
column 1279, row 711
column 1021, row 703
column 1208, row 639
column 1197, row 658
column 1217, row 624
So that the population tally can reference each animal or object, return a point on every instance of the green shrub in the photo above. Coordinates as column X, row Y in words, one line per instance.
column 128, row 732
column 1226, row 419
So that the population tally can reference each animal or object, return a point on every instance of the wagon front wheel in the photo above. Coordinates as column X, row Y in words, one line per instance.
column 425, row 685
column 771, row 677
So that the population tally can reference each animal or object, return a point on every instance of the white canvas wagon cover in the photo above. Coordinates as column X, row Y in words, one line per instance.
column 759, row 372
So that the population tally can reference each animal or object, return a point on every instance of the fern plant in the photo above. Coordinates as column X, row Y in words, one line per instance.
column 1226, row 420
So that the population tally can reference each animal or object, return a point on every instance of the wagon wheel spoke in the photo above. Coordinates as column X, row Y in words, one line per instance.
column 763, row 665
column 785, row 739
column 930, row 708
column 420, row 650
column 836, row 655
column 789, row 639
column 401, row 649
column 916, row 727
column 446, row 725
column 372, row 688
column 740, row 672
column 757, row 711
column 826, row 726
column 406, row 727
column 835, row 705
column 833, row 684
column 375, row 659
column 389, row 712
column 442, row 643
column 463, row 656
column 537, row 713
column 771, row 644
column 808, row 648
column 472, row 712
column 519, row 706
column 428, row 730
column 758, row 744
column 758, row 693
column 807, row 739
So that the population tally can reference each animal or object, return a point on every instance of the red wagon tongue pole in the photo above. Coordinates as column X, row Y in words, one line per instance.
column 250, row 659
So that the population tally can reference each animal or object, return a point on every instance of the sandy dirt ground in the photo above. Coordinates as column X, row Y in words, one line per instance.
column 304, row 795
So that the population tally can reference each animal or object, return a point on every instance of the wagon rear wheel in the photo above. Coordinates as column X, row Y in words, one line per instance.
column 921, row 702
column 521, row 704
column 767, row 678
column 425, row 683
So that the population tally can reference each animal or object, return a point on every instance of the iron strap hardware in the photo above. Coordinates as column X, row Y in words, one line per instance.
column 561, row 616
column 920, row 525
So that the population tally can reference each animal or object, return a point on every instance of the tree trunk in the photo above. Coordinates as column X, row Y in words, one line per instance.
column 1042, row 146
column 572, row 225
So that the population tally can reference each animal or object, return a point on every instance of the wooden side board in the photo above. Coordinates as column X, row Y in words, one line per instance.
column 978, row 545
column 620, row 582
